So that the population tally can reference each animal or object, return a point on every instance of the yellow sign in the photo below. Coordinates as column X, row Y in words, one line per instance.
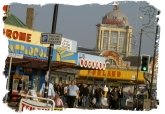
column 113, row 74
column 23, row 35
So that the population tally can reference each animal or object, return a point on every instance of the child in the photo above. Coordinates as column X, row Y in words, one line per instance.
column 58, row 102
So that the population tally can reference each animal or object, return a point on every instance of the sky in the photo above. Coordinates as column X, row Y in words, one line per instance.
column 79, row 22
column 161, row 84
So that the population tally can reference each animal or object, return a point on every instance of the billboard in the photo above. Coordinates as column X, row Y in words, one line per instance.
column 67, row 45
column 23, row 35
column 28, row 50
column 64, row 56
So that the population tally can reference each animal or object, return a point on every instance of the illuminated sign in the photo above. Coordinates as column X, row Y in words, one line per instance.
column 91, row 61
column 113, row 74
column 105, row 73
column 92, row 64
column 17, row 35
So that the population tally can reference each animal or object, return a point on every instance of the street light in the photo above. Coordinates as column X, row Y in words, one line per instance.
column 155, row 48
column 54, row 22
column 138, row 65
column 153, row 64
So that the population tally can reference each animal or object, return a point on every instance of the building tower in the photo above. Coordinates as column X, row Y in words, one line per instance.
column 115, row 33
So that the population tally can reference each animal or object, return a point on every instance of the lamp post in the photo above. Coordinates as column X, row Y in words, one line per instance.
column 153, row 64
column 138, row 65
column 53, row 31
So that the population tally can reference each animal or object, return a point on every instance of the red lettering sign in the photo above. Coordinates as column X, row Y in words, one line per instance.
column 105, row 73
column 109, row 73
column 99, row 72
column 16, row 35
column 118, row 74
column 113, row 73
column 92, row 64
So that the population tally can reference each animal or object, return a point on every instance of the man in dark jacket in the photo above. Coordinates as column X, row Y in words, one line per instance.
column 85, row 96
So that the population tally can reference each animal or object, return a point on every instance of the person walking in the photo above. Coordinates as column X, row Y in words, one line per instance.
column 85, row 96
column 115, row 98
column 120, row 94
column 73, row 92
column 98, row 95
column 51, row 92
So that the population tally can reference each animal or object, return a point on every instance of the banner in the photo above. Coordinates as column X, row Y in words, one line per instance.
column 28, row 50
column 27, row 104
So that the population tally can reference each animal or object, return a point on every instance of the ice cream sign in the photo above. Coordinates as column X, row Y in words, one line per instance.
column 91, row 61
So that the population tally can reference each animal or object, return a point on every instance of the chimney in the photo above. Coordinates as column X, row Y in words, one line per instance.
column 29, row 17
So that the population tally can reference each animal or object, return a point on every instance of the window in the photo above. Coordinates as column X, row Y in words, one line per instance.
column 110, row 62
column 113, row 43
column 122, row 42
column 105, row 39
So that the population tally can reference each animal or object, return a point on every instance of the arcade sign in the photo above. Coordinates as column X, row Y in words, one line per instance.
column 17, row 35
column 91, row 61
column 92, row 64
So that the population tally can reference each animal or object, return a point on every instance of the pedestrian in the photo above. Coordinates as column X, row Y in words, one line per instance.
column 115, row 98
column 120, row 94
column 98, row 95
column 58, row 102
column 65, row 89
column 85, row 96
column 81, row 88
column 51, row 92
column 73, row 92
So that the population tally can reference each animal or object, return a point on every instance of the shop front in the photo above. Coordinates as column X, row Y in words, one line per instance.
column 27, row 72
column 26, row 42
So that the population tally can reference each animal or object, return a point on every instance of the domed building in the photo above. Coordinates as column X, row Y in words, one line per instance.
column 115, row 33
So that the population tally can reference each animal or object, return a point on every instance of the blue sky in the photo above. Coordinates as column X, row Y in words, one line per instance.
column 79, row 22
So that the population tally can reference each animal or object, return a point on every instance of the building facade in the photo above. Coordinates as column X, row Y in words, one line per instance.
column 115, row 33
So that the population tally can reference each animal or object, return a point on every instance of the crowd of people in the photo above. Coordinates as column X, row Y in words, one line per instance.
column 88, row 96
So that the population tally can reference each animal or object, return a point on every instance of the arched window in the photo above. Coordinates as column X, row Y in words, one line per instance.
column 110, row 62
